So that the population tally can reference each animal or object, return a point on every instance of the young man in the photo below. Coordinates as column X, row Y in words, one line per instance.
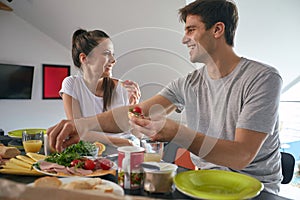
column 231, row 103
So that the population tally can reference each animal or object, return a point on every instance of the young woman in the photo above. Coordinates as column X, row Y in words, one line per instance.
column 94, row 90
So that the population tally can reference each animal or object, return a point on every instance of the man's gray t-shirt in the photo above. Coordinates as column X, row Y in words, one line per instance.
column 247, row 98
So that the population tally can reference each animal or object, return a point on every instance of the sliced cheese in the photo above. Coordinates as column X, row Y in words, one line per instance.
column 20, row 163
column 20, row 172
column 10, row 165
column 26, row 159
column 35, row 156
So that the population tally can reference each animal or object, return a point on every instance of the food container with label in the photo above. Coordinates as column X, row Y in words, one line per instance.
column 130, row 173
column 159, row 178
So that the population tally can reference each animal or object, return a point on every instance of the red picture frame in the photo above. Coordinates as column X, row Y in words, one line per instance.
column 53, row 75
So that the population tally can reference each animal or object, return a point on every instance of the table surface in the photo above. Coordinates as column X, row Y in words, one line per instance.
column 172, row 195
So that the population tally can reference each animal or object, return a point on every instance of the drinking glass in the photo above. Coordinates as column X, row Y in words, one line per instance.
column 153, row 150
column 32, row 141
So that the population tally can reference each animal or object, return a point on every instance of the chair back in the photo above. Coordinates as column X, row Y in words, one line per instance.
column 288, row 166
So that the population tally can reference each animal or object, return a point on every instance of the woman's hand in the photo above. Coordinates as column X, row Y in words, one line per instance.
column 134, row 92
column 63, row 135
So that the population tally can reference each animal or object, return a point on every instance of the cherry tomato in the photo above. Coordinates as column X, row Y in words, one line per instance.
column 75, row 162
column 137, row 110
column 106, row 164
column 89, row 164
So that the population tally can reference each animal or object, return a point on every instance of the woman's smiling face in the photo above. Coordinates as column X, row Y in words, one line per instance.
column 100, row 60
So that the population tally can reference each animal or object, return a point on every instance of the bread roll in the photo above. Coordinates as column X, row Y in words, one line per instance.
column 47, row 182
column 8, row 152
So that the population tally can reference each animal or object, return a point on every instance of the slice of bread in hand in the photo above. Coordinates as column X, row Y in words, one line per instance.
column 47, row 181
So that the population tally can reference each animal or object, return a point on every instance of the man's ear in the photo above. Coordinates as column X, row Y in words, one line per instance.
column 219, row 29
column 82, row 58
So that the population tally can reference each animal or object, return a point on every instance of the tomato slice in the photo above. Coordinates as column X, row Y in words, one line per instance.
column 137, row 110
column 89, row 164
column 104, row 163
column 75, row 162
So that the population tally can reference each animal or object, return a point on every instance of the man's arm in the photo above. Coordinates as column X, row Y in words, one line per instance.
column 236, row 154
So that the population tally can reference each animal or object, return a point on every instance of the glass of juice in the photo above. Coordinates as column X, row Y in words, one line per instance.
column 153, row 150
column 32, row 141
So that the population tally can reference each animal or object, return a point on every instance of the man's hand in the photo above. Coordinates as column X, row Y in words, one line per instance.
column 158, row 128
column 62, row 135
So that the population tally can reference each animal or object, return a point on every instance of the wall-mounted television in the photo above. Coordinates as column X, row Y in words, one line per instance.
column 16, row 81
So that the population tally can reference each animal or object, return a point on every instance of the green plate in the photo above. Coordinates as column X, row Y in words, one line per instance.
column 217, row 184
column 18, row 133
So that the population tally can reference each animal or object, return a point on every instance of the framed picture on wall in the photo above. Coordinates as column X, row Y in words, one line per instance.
column 53, row 75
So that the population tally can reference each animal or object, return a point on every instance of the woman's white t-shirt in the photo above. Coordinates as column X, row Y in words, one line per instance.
column 90, row 104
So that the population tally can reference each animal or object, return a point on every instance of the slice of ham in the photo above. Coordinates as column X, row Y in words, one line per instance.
column 62, row 171
column 46, row 166
column 79, row 171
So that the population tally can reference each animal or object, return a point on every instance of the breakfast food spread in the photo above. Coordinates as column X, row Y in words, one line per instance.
column 74, row 161
column 78, row 167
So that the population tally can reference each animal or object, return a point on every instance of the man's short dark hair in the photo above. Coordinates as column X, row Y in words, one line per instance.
column 213, row 11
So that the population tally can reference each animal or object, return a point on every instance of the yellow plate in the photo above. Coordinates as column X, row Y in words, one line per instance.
column 217, row 184
column 18, row 133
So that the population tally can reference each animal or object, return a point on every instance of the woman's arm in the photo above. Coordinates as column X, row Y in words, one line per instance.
column 72, row 110
column 71, row 106
column 113, row 121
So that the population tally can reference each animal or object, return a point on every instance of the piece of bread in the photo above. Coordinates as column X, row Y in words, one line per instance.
column 104, row 188
column 9, row 152
column 77, row 185
column 47, row 181
column 82, row 184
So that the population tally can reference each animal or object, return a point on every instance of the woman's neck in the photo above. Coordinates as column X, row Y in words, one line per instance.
column 94, row 85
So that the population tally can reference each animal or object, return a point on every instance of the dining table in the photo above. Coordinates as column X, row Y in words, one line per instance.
column 175, row 194
column 172, row 195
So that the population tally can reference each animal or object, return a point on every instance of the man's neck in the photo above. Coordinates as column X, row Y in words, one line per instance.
column 222, row 63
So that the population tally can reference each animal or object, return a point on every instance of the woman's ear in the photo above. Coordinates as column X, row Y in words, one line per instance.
column 82, row 58
column 219, row 29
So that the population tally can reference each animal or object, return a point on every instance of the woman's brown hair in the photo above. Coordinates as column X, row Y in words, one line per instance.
column 84, row 42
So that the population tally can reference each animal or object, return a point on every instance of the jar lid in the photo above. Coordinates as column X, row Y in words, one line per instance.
column 131, row 149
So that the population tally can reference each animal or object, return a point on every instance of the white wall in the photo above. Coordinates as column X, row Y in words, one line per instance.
column 268, row 31
column 20, row 43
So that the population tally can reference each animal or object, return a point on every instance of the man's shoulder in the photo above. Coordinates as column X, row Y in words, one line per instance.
column 257, row 66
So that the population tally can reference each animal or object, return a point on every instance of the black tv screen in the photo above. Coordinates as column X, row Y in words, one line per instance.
column 16, row 81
